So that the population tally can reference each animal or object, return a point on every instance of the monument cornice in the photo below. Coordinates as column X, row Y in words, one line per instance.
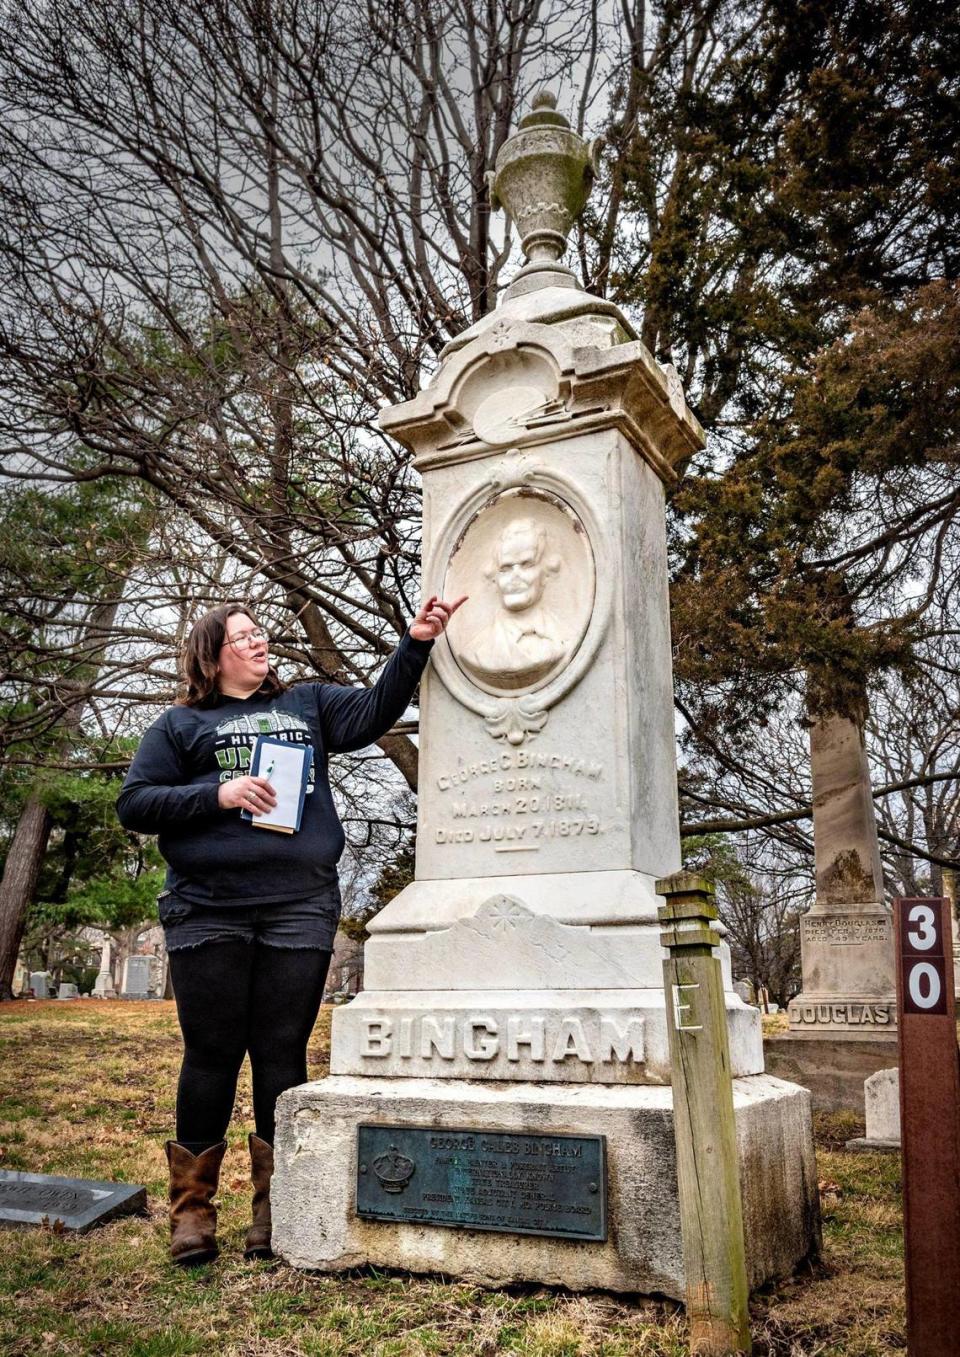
column 569, row 391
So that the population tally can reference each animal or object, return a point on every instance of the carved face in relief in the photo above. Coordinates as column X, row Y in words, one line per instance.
column 528, row 568
column 520, row 569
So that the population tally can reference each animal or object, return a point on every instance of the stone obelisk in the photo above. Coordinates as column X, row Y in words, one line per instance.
column 103, row 986
column 514, row 991
column 849, row 972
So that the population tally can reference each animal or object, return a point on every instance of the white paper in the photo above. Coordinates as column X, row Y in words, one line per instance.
column 284, row 765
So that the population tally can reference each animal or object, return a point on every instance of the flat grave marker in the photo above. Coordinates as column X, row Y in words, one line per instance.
column 75, row 1203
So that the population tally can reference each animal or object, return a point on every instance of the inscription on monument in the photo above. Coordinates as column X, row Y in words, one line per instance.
column 520, row 799
column 841, row 1014
column 845, row 930
column 483, row 1180
column 480, row 1037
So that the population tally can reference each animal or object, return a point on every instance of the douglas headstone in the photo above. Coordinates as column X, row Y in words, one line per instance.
column 849, row 968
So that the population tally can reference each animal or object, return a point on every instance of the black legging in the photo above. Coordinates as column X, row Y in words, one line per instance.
column 234, row 997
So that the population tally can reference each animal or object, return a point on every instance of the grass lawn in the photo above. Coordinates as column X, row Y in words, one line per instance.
column 86, row 1088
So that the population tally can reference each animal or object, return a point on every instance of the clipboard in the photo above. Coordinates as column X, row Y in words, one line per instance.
column 288, row 765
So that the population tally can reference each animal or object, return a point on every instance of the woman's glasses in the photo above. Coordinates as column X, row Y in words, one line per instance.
column 246, row 639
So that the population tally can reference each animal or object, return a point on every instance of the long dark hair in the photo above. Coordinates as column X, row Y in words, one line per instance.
column 202, row 653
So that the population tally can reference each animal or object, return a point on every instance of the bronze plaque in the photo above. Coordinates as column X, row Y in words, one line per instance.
column 483, row 1180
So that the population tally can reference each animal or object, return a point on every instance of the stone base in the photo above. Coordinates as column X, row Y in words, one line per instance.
column 313, row 1194
column 864, row 1145
column 848, row 971
column 833, row 1068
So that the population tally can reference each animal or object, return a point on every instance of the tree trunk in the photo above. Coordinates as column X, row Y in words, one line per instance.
column 19, row 882
column 22, row 869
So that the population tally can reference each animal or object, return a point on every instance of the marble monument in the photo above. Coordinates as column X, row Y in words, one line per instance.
column 514, row 992
column 846, row 938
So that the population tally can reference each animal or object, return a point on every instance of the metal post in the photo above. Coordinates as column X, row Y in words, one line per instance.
column 708, row 1179
column 929, row 1125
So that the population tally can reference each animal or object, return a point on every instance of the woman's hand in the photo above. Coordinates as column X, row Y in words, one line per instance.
column 433, row 617
column 247, row 793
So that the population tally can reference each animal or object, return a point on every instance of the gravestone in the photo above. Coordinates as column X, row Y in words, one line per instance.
column 73, row 1203
column 40, row 984
column 514, row 991
column 881, row 1095
column 103, row 986
column 67, row 991
column 136, row 978
column 846, row 938
column 843, row 1023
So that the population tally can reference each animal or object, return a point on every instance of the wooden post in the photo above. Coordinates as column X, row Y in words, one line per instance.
column 708, row 1178
column 929, row 1125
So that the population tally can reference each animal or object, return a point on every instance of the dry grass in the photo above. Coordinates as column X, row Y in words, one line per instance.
column 87, row 1088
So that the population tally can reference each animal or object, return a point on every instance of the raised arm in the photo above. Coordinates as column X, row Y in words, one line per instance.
column 354, row 717
column 156, row 792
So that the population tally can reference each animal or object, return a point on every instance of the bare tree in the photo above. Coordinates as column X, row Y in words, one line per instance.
column 230, row 231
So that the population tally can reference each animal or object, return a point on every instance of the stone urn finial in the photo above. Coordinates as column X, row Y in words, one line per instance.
column 543, row 178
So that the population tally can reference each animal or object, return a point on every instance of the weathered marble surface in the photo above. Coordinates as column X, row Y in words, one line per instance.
column 833, row 1070
column 881, row 1095
column 315, row 1225
column 75, row 1204
column 559, row 1036
column 882, row 1099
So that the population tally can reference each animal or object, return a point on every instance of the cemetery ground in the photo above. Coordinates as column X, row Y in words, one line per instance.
column 87, row 1089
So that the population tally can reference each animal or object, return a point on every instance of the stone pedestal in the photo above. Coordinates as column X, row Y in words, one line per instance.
column 517, row 983
column 315, row 1225
column 832, row 1067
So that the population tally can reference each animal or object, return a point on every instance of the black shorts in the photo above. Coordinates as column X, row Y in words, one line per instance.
column 296, row 924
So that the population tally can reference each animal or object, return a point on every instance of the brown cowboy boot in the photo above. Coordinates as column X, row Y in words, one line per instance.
column 261, row 1171
column 193, row 1216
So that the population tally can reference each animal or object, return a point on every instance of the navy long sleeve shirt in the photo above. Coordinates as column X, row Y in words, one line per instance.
column 214, row 857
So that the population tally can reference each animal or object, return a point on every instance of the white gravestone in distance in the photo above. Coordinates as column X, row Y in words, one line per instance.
column 136, row 978
column 40, row 984
column 881, row 1098
column 516, row 985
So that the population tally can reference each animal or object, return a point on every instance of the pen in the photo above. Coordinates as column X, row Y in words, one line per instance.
column 269, row 773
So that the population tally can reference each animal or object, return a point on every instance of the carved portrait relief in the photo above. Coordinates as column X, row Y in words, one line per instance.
column 527, row 565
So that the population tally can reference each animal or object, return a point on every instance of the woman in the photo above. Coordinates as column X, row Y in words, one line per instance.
column 249, row 915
